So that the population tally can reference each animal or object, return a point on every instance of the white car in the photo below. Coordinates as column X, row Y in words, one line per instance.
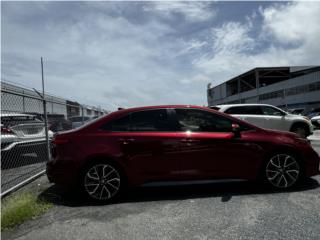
column 316, row 122
column 21, row 134
column 268, row 116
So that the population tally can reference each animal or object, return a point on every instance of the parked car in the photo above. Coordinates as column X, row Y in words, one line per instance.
column 313, row 113
column 22, row 134
column 56, row 122
column 297, row 111
column 134, row 146
column 80, row 120
column 268, row 116
column 316, row 122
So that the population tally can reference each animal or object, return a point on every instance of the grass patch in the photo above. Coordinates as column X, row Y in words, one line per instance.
column 21, row 207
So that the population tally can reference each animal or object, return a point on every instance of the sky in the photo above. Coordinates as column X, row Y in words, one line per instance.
column 128, row 54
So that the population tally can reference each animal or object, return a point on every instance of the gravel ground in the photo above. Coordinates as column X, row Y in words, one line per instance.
column 223, row 210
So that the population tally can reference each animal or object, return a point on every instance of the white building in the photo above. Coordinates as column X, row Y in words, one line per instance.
column 286, row 87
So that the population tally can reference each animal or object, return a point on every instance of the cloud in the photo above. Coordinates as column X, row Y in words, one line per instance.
column 192, row 11
column 284, row 39
column 147, row 53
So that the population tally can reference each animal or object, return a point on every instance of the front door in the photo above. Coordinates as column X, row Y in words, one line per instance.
column 208, row 146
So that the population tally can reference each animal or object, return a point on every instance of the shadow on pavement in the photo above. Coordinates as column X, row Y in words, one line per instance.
column 224, row 190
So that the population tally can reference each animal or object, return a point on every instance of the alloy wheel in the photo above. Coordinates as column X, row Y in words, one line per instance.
column 102, row 181
column 282, row 171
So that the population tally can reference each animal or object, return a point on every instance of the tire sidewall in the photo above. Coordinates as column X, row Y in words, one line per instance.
column 113, row 198
column 263, row 174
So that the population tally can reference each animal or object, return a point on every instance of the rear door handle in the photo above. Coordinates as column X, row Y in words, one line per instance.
column 126, row 141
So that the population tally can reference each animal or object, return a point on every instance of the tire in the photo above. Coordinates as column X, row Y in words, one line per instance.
column 301, row 130
column 102, row 181
column 282, row 171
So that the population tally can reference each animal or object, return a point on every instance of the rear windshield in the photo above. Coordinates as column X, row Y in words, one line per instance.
column 15, row 120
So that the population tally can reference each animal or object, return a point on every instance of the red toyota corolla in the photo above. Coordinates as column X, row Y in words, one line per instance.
column 134, row 146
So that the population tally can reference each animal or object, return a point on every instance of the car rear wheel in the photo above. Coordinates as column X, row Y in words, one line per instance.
column 102, row 181
column 282, row 171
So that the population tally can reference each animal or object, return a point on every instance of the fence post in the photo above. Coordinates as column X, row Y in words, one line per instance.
column 45, row 114
column 82, row 115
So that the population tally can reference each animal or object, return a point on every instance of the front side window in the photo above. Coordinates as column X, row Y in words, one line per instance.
column 201, row 121
column 271, row 111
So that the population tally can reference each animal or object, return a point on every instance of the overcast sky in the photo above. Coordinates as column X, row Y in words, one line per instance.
column 144, row 53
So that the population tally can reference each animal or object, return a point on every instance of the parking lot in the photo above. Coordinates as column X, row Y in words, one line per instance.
column 211, row 210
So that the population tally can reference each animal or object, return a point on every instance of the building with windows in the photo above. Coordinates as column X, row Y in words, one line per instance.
column 285, row 87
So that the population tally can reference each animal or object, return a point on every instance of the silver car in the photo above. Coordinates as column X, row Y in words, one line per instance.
column 268, row 116
column 22, row 134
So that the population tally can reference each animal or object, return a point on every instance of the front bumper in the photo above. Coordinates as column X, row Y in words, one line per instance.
column 312, row 162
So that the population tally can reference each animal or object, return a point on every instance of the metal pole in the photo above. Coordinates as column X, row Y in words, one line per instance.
column 45, row 113
column 82, row 114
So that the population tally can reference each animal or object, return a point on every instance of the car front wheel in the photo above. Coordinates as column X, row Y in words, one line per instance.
column 102, row 181
column 282, row 171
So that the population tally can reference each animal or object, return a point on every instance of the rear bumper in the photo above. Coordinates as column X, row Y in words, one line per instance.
column 62, row 173
column 23, row 146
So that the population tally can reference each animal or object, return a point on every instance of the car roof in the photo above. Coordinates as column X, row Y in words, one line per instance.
column 15, row 115
column 160, row 107
column 224, row 106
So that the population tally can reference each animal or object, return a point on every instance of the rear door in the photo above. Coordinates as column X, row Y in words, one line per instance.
column 274, row 118
column 252, row 114
column 148, row 144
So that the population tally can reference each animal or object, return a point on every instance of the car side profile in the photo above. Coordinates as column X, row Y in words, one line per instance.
column 268, row 116
column 135, row 146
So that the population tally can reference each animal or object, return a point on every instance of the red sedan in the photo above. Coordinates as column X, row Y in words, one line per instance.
column 134, row 146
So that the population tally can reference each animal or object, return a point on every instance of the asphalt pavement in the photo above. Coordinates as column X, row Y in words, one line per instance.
column 216, row 210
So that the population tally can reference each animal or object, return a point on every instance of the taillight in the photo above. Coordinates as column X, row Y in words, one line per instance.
column 6, row 130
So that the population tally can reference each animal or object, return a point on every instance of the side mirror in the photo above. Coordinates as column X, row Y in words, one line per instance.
column 236, row 130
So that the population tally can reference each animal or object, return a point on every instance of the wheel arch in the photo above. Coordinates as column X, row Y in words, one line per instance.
column 300, row 123
column 278, row 150
column 102, row 158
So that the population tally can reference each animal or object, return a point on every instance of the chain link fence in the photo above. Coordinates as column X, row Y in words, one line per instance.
column 26, row 135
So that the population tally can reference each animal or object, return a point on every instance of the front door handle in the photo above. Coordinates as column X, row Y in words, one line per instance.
column 126, row 141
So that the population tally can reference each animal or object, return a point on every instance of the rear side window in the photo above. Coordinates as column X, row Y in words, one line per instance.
column 119, row 125
column 201, row 121
column 245, row 110
column 271, row 111
column 143, row 121
column 152, row 120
